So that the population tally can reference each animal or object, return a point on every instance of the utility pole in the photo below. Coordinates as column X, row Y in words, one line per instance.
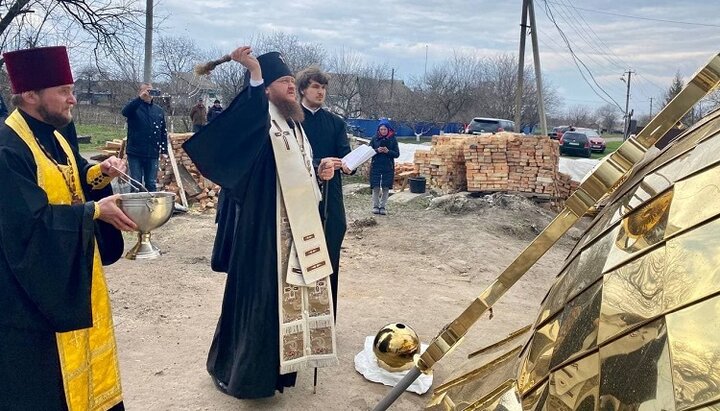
column 650, row 108
column 529, row 11
column 147, row 69
column 392, row 85
column 521, row 65
column 627, row 103
column 538, row 72
column 426, row 54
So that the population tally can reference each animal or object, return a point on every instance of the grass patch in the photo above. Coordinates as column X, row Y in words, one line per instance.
column 100, row 133
column 610, row 146
column 413, row 140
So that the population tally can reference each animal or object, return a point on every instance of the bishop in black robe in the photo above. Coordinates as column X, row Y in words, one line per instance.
column 234, row 151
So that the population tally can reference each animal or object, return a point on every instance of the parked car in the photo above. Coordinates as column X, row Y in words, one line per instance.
column 597, row 144
column 489, row 125
column 558, row 131
column 575, row 143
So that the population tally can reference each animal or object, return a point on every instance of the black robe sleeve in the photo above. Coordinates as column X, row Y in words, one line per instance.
column 47, row 249
column 225, row 151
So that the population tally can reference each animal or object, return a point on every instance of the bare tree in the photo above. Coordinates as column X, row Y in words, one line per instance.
column 579, row 116
column 450, row 87
column 298, row 55
column 377, row 90
column 175, row 54
column 102, row 26
column 344, row 90
column 607, row 115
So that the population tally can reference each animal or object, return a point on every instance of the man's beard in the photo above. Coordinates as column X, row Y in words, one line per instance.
column 290, row 109
column 54, row 119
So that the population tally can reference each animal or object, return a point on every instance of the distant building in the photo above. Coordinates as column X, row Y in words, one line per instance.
column 352, row 96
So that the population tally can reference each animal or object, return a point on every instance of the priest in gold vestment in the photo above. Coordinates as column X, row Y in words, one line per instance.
column 59, row 225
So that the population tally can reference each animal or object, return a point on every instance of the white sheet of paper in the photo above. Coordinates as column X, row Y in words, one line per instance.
column 355, row 158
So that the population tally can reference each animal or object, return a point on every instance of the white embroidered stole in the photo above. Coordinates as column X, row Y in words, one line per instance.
column 307, row 329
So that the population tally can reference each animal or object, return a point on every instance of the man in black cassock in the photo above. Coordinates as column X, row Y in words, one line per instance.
column 235, row 151
column 328, row 137
column 58, row 224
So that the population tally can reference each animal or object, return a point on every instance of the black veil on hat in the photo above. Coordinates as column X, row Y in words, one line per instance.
column 273, row 67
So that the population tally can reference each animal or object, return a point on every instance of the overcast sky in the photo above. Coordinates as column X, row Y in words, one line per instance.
column 400, row 32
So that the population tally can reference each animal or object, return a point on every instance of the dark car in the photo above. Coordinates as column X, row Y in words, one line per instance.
column 480, row 125
column 575, row 143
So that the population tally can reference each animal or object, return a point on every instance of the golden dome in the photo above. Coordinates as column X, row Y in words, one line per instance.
column 632, row 321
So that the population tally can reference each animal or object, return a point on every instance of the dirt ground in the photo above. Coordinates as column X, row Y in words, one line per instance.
column 418, row 266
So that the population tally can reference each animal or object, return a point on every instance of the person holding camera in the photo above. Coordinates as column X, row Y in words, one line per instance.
column 382, row 167
column 146, row 136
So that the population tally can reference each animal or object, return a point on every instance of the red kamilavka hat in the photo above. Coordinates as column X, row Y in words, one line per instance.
column 38, row 68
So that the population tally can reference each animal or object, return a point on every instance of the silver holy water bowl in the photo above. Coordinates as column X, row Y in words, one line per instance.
column 149, row 211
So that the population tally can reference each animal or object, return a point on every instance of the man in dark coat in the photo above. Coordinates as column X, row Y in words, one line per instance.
column 58, row 224
column 198, row 115
column 235, row 151
column 214, row 111
column 328, row 138
column 146, row 137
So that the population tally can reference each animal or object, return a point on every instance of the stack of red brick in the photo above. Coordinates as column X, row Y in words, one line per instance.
column 502, row 162
column 444, row 165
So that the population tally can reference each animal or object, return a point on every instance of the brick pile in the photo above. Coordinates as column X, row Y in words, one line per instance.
column 511, row 162
column 204, row 192
column 444, row 165
column 502, row 162
column 566, row 186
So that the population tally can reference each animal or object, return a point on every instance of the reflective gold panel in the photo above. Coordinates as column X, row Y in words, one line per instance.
column 694, row 334
column 693, row 266
column 535, row 363
column 697, row 199
column 685, row 270
column 641, row 229
column 578, row 326
column 635, row 371
column 575, row 387
column 479, row 382
column 633, row 294
column 505, row 398
column 591, row 264
column 554, row 301
column 535, row 400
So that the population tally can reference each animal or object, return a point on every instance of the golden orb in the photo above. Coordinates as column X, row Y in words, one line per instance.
column 395, row 346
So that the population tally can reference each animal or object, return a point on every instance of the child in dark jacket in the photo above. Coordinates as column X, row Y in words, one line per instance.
column 382, row 167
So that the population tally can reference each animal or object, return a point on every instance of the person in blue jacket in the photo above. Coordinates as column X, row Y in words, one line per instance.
column 382, row 167
column 146, row 137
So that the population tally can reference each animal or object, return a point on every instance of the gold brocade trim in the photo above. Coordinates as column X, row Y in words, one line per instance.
column 88, row 357
column 307, row 329
column 96, row 179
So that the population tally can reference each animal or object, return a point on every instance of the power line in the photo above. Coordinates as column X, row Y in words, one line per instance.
column 583, row 34
column 605, row 51
column 577, row 60
column 642, row 18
